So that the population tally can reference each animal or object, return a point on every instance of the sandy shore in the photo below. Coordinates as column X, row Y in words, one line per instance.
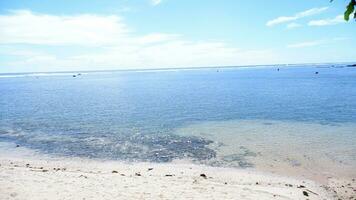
column 27, row 174
column 34, row 178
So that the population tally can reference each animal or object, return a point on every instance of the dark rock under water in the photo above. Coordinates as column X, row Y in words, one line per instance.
column 131, row 147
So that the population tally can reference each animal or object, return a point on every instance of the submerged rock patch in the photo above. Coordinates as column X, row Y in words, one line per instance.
column 118, row 146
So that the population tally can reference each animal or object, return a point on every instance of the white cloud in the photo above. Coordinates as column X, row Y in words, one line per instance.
column 306, row 13
column 317, row 42
column 178, row 54
column 155, row 2
column 293, row 25
column 109, row 43
column 326, row 22
column 175, row 53
column 155, row 38
column 305, row 44
column 29, row 28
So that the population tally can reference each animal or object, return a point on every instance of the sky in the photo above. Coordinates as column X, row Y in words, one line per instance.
column 67, row 35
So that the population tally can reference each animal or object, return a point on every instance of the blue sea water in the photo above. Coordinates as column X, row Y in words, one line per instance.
column 134, row 115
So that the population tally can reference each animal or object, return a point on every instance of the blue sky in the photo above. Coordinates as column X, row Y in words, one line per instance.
column 71, row 35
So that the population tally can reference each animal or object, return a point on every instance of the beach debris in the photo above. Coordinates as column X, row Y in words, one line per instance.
column 225, row 183
column 137, row 174
column 305, row 193
column 44, row 170
column 169, row 175
column 27, row 165
column 257, row 183
column 122, row 174
column 14, row 194
column 114, row 172
column 149, row 169
column 300, row 186
column 311, row 192
column 83, row 176
column 203, row 175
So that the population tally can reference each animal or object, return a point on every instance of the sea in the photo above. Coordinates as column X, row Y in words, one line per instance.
column 301, row 116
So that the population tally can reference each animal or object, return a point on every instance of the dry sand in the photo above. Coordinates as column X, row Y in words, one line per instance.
column 28, row 178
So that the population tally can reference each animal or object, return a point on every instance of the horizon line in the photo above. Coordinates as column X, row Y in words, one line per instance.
column 182, row 68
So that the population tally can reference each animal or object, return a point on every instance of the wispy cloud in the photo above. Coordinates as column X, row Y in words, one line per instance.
column 306, row 13
column 326, row 22
column 341, row 38
column 293, row 25
column 155, row 2
column 305, row 44
column 317, row 42
column 109, row 42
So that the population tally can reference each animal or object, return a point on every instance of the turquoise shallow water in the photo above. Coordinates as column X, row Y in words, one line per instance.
column 155, row 115
column 296, row 148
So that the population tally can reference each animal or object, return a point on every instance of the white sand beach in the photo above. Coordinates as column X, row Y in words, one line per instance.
column 41, row 179
column 63, row 178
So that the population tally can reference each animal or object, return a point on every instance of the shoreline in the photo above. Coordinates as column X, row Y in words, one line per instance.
column 30, row 174
column 34, row 177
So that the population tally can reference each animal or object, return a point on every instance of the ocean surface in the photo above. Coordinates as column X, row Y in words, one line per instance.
column 236, row 117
